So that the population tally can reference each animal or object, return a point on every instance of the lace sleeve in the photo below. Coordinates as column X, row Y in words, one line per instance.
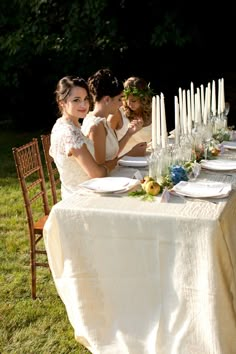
column 73, row 138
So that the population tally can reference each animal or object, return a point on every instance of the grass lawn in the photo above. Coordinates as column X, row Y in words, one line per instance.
column 28, row 326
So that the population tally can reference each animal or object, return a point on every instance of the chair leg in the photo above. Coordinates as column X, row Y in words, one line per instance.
column 33, row 276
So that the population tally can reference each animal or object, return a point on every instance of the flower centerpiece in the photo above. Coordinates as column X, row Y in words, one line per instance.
column 175, row 174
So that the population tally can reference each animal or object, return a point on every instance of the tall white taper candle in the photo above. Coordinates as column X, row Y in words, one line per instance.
column 180, row 110
column 213, row 98
column 189, row 113
column 184, row 113
column 154, row 123
column 222, row 96
column 192, row 101
column 163, row 123
column 158, row 120
column 176, row 121
column 202, row 100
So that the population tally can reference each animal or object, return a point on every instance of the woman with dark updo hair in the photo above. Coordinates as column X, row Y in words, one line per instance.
column 107, row 92
column 71, row 150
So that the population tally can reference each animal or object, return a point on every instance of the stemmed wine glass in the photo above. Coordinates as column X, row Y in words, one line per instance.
column 206, row 139
column 227, row 108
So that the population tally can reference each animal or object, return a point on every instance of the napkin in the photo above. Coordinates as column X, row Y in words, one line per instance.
column 203, row 189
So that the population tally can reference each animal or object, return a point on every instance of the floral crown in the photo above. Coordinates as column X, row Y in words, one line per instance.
column 138, row 92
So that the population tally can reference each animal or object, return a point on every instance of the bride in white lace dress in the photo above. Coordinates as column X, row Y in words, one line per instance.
column 72, row 152
column 107, row 92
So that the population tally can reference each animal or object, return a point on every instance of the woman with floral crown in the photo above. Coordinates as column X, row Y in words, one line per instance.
column 137, row 105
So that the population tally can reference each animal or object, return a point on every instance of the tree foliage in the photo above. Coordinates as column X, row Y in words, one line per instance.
column 43, row 40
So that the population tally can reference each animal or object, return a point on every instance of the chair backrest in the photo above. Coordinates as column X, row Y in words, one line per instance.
column 52, row 170
column 31, row 178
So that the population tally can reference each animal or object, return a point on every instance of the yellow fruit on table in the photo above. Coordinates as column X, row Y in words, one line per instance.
column 152, row 188
column 215, row 152
column 145, row 180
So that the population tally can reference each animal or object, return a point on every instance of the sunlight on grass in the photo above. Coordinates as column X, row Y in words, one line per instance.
column 29, row 326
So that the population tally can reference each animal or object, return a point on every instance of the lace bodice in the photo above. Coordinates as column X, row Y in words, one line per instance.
column 64, row 136
column 112, row 144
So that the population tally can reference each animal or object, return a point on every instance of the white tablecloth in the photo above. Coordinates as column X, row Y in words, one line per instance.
column 146, row 278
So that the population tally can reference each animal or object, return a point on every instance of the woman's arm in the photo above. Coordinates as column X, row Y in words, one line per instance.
column 134, row 127
column 98, row 135
column 89, row 165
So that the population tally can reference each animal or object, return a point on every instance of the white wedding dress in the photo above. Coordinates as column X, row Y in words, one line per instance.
column 112, row 144
column 64, row 136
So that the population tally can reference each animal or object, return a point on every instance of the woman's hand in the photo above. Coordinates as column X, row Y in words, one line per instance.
column 135, row 125
column 111, row 164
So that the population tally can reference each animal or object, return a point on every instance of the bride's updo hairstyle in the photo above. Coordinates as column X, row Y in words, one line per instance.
column 104, row 83
column 64, row 87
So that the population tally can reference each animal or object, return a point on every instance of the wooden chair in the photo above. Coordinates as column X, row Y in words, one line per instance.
column 31, row 177
column 52, row 170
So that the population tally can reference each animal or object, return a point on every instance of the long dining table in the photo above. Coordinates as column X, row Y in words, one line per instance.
column 139, row 277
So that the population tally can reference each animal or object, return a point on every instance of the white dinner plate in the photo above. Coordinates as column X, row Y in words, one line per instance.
column 133, row 161
column 219, row 165
column 203, row 189
column 229, row 145
column 110, row 184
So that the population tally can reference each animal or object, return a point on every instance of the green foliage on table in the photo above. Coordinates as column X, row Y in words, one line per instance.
column 222, row 135
column 141, row 193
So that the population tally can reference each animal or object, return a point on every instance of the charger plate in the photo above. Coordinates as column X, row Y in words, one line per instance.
column 133, row 161
column 219, row 165
column 110, row 184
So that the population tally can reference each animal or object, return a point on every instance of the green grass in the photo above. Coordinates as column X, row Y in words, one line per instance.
column 28, row 326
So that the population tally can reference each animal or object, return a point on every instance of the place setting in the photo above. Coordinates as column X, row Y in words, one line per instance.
column 219, row 165
column 202, row 189
column 110, row 185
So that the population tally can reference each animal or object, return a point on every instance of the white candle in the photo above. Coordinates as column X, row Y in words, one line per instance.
column 192, row 100
column 209, row 100
column 181, row 110
column 205, row 113
column 189, row 113
column 222, row 96
column 184, row 113
column 163, row 123
column 154, row 123
column 199, row 108
column 219, row 98
column 213, row 98
column 176, row 120
column 202, row 99
column 158, row 120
